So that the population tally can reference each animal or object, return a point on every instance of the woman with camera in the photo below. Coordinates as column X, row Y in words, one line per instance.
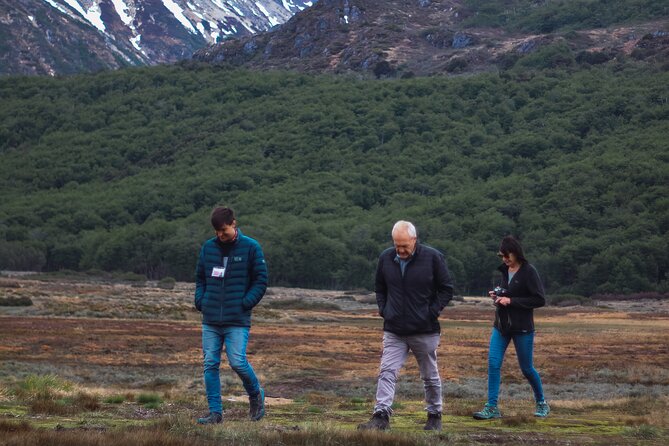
column 520, row 292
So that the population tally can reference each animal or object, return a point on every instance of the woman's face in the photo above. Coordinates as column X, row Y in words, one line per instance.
column 509, row 259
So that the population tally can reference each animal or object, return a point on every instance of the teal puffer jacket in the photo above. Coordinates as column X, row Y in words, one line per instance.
column 228, row 300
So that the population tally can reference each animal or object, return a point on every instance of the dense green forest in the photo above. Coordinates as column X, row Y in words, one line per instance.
column 118, row 171
column 546, row 16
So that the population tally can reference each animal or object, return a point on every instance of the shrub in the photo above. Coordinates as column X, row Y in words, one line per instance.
column 11, row 301
column 167, row 283
column 456, row 64
column 149, row 400
column 10, row 426
column 41, row 387
column 635, row 296
column 132, row 277
column 567, row 300
column 9, row 284
column 299, row 304
column 50, row 406
column 518, row 420
column 86, row 401
column 644, row 432
column 114, row 399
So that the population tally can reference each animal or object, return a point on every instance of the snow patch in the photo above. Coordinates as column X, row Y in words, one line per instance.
column 221, row 5
column 179, row 15
column 57, row 6
column 92, row 14
column 290, row 6
column 135, row 42
column 272, row 20
column 237, row 10
column 123, row 11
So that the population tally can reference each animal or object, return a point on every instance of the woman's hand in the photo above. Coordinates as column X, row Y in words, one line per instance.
column 503, row 301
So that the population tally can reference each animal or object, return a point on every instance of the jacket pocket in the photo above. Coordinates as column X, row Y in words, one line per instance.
column 434, row 308
column 389, row 312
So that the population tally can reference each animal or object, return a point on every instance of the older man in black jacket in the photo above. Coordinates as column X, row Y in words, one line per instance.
column 413, row 285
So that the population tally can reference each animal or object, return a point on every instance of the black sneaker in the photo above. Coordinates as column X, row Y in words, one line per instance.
column 257, row 405
column 380, row 421
column 433, row 422
column 212, row 418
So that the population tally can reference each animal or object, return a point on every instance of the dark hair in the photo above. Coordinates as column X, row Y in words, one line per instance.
column 222, row 216
column 510, row 245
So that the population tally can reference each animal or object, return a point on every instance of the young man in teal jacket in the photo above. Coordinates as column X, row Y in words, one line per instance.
column 230, row 279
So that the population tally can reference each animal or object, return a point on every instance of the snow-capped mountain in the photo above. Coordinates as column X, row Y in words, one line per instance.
column 66, row 36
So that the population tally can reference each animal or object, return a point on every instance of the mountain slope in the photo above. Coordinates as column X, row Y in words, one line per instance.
column 425, row 37
column 69, row 36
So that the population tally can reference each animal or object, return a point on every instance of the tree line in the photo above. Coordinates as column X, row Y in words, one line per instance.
column 118, row 171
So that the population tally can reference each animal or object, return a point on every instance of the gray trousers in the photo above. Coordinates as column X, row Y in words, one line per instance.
column 395, row 352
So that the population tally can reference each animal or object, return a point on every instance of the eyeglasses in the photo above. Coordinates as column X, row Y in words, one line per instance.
column 505, row 256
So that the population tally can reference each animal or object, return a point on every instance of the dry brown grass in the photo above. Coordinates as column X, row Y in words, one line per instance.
column 52, row 404
column 320, row 356
column 78, row 437
column 13, row 426
column 322, row 365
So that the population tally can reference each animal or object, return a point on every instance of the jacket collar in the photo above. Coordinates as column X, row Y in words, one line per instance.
column 416, row 251
column 233, row 242
column 503, row 268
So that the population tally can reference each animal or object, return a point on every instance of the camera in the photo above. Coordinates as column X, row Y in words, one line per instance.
column 500, row 292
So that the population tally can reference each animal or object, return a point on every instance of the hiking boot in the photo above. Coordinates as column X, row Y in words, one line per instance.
column 379, row 421
column 543, row 409
column 489, row 412
column 212, row 418
column 433, row 422
column 257, row 405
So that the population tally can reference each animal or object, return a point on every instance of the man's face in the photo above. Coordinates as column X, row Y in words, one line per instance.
column 404, row 244
column 226, row 233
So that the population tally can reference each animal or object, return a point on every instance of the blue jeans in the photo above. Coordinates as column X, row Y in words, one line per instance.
column 524, row 343
column 235, row 340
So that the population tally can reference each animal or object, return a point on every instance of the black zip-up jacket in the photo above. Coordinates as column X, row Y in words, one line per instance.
column 527, row 293
column 411, row 304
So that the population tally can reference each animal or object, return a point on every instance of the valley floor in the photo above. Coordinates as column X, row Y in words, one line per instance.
column 108, row 364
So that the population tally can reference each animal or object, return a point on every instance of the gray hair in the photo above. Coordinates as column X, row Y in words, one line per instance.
column 405, row 226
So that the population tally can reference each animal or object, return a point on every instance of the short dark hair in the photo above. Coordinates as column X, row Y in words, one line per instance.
column 510, row 245
column 222, row 216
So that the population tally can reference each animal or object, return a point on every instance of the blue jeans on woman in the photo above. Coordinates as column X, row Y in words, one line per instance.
column 235, row 340
column 524, row 343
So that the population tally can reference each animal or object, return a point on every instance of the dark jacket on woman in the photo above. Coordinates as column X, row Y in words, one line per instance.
column 527, row 293
column 411, row 303
column 228, row 300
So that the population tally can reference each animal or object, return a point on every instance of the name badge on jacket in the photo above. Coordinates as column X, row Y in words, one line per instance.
column 218, row 271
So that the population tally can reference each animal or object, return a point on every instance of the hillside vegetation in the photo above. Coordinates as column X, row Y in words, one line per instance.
column 546, row 16
column 118, row 171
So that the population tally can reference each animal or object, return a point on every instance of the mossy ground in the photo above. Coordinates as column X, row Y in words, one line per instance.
column 335, row 423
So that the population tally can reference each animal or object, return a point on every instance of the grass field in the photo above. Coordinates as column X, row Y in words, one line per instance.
column 110, row 363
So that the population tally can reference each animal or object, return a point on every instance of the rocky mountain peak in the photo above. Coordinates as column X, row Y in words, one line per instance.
column 68, row 36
